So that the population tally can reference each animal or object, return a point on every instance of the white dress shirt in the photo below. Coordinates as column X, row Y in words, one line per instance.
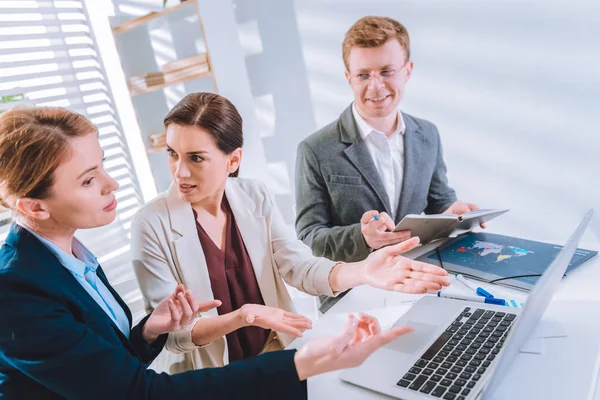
column 387, row 154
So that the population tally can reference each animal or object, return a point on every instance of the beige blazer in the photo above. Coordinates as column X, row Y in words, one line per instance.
column 167, row 252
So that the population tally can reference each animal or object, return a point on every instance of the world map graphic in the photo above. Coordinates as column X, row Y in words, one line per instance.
column 490, row 256
column 502, row 252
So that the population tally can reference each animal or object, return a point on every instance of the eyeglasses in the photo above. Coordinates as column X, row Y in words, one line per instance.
column 384, row 75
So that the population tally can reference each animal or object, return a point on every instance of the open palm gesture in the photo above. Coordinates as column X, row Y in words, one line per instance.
column 275, row 319
column 386, row 269
column 360, row 338
column 174, row 313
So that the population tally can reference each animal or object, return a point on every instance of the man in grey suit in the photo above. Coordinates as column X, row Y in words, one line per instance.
column 357, row 177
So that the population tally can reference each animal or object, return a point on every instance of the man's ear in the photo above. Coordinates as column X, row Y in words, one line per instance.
column 33, row 208
column 235, row 158
column 348, row 77
column 409, row 69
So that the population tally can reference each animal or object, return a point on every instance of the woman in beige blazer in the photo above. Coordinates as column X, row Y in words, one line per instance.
column 204, row 140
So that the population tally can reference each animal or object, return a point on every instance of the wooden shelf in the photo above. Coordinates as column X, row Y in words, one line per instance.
column 148, row 17
column 152, row 88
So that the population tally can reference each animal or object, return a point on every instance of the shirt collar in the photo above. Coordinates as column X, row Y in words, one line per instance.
column 74, row 263
column 365, row 129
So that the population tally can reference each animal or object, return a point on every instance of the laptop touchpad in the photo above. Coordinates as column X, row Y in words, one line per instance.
column 415, row 340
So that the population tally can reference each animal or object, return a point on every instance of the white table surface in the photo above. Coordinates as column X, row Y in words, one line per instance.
column 576, row 304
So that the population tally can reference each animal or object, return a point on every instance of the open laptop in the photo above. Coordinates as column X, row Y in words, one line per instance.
column 460, row 350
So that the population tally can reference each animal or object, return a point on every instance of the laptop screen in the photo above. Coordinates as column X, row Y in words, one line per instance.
column 535, row 307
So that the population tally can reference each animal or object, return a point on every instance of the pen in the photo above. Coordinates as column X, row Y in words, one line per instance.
column 479, row 290
column 478, row 299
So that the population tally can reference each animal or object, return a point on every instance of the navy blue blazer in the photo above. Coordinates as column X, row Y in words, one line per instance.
column 57, row 343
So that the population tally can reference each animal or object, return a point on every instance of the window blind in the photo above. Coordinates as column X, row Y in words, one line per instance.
column 49, row 57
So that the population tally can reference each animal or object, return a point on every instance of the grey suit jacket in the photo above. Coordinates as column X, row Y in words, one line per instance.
column 336, row 182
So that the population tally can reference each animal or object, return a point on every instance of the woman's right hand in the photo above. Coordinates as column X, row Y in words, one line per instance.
column 174, row 313
column 361, row 337
column 274, row 318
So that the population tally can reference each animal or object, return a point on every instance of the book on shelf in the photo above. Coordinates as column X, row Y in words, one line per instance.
column 147, row 75
column 140, row 82
column 185, row 63
column 186, row 72
column 156, row 80
column 436, row 226
column 176, row 71
column 158, row 141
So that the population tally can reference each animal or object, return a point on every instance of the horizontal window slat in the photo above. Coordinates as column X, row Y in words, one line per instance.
column 44, row 35
column 61, row 72
column 69, row 96
column 40, row 10
column 61, row 47
column 69, row 83
column 45, row 22
column 42, row 61
column 91, row 104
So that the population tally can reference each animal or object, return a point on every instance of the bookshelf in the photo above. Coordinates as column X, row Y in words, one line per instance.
column 164, row 56
column 148, row 17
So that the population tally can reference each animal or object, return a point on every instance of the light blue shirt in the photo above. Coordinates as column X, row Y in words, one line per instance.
column 82, row 265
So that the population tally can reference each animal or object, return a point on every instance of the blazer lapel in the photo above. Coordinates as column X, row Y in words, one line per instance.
column 188, row 253
column 413, row 143
column 123, row 305
column 93, row 305
column 358, row 154
column 253, row 228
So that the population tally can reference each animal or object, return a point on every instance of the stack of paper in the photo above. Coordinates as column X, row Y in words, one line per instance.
column 186, row 67
column 158, row 141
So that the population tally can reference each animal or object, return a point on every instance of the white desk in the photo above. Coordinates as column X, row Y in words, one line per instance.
column 565, row 371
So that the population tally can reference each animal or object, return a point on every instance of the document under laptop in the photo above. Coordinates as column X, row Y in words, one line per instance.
column 460, row 350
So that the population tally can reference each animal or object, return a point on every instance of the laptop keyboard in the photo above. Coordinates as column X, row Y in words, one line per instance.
column 454, row 363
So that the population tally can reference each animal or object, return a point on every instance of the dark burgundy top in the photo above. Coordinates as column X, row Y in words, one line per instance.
column 233, row 281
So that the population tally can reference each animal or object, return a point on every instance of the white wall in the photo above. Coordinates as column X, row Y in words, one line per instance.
column 513, row 86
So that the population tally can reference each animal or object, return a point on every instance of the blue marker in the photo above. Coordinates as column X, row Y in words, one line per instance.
column 478, row 299
column 479, row 290
column 376, row 218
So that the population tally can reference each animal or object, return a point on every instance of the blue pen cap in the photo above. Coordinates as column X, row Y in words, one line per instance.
column 496, row 301
column 484, row 293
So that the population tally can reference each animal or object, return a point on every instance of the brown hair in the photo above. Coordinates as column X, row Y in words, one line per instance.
column 214, row 114
column 374, row 32
column 33, row 141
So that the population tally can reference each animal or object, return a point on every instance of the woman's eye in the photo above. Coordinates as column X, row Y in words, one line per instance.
column 197, row 159
column 171, row 153
column 88, row 182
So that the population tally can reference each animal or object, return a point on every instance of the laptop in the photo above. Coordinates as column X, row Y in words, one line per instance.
column 459, row 350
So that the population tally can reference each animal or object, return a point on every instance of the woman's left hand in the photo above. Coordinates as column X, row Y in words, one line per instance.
column 387, row 269
column 174, row 313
